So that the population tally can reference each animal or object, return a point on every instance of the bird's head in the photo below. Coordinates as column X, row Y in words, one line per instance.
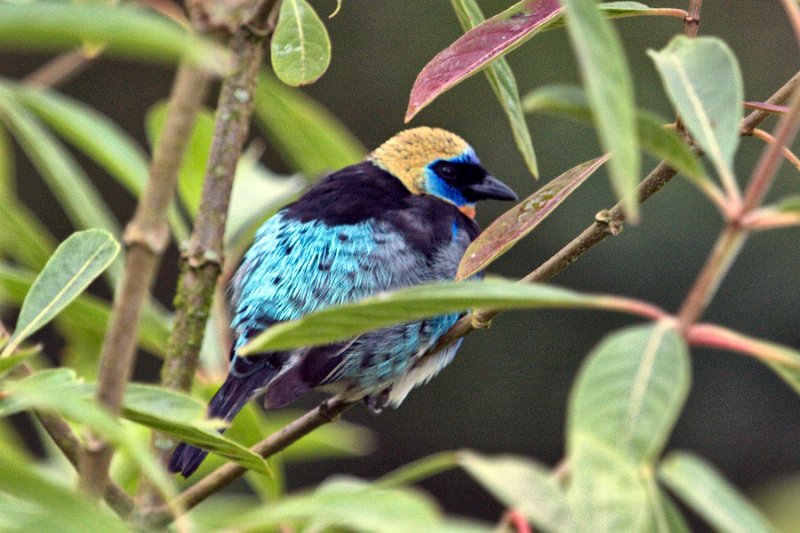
column 439, row 163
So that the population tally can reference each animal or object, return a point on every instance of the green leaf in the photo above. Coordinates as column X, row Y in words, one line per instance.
column 510, row 227
column 73, row 266
column 7, row 183
column 674, row 521
column 46, row 505
column 609, row 89
column 606, row 491
column 703, row 81
column 307, row 135
column 789, row 204
column 523, row 485
column 23, row 236
column 779, row 499
column 91, row 132
column 300, row 47
column 630, row 391
column 504, row 84
column 59, row 390
column 195, row 159
column 185, row 418
column 346, row 321
column 348, row 503
column 709, row 495
column 661, row 143
column 494, row 38
column 73, row 189
column 124, row 31
column 97, row 137
column 7, row 363
column 86, row 311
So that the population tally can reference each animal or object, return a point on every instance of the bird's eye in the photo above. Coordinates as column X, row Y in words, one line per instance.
column 447, row 171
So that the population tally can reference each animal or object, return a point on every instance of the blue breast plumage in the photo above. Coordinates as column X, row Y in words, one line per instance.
column 360, row 231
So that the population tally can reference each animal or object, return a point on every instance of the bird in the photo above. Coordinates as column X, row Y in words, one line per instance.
column 403, row 216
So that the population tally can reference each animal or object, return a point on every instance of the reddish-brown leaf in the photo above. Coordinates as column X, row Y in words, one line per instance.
column 520, row 220
column 476, row 48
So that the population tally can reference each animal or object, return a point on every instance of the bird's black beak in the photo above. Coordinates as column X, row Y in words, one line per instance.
column 489, row 187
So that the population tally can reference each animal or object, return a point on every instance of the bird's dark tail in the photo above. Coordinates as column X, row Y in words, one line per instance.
column 229, row 400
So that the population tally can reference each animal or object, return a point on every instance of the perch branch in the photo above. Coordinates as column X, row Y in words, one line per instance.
column 146, row 237
column 324, row 413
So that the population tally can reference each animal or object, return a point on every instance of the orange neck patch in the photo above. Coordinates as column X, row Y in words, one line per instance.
column 468, row 210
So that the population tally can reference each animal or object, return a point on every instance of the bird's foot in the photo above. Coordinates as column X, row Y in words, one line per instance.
column 377, row 402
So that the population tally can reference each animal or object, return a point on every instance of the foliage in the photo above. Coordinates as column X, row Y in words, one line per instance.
column 624, row 402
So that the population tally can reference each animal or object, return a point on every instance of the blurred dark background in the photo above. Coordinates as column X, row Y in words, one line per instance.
column 507, row 390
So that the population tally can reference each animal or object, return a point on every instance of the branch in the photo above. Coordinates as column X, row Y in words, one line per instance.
column 781, row 95
column 146, row 236
column 691, row 23
column 770, row 160
column 326, row 412
column 768, row 138
column 607, row 223
column 202, row 261
column 60, row 69
column 60, row 431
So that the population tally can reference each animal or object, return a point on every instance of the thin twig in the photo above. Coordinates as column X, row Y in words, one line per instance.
column 146, row 236
column 60, row 69
column 725, row 251
column 324, row 413
column 771, row 159
column 768, row 138
column 781, row 95
column 793, row 12
column 60, row 431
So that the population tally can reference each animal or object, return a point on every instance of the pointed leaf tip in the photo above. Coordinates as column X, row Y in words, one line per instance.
column 517, row 222
column 71, row 268
column 478, row 47
column 704, row 83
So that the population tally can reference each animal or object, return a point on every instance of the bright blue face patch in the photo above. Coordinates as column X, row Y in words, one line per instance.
column 437, row 186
